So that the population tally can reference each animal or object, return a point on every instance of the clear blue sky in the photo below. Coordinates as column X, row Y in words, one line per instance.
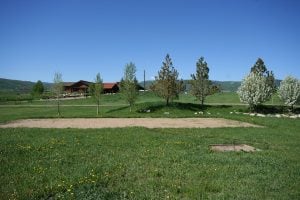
column 80, row 38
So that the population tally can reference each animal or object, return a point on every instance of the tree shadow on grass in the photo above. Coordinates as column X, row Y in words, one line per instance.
column 177, row 105
column 269, row 109
column 197, row 107
column 117, row 109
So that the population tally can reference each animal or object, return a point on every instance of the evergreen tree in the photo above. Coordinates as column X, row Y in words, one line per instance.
column 129, row 85
column 38, row 88
column 260, row 68
column 166, row 84
column 213, row 89
column 200, row 81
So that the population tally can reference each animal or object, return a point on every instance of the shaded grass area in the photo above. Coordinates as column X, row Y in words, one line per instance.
column 140, row 163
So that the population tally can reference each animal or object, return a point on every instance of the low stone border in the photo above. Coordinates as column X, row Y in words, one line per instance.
column 291, row 116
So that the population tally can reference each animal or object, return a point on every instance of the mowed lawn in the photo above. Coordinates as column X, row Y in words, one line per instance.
column 116, row 99
column 140, row 163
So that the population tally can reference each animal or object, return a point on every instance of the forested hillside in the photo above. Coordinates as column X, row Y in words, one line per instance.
column 17, row 86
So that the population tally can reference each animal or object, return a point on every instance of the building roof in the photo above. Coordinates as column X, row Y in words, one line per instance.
column 109, row 85
column 84, row 84
column 68, row 83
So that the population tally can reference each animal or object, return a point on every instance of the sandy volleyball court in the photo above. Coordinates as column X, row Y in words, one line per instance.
column 127, row 122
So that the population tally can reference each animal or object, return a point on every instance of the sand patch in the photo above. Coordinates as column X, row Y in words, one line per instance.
column 127, row 122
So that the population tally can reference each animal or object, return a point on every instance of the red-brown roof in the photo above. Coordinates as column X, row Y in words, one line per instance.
column 108, row 85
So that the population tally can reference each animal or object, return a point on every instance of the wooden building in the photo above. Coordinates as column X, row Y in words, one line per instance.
column 80, row 87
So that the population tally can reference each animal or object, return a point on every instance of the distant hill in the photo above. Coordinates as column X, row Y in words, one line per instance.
column 226, row 86
column 23, row 87
column 16, row 86
column 230, row 86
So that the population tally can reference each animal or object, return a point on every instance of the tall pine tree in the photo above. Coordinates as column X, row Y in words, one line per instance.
column 166, row 84
column 200, row 81
column 260, row 68
column 38, row 88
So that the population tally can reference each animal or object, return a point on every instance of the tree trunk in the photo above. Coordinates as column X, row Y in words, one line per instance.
column 98, row 107
column 58, row 111
column 167, row 101
column 252, row 107
column 272, row 100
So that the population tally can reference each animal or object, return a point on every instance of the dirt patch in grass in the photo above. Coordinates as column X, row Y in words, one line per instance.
column 127, row 122
column 232, row 147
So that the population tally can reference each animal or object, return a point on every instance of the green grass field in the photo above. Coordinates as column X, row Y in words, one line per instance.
column 116, row 99
column 141, row 163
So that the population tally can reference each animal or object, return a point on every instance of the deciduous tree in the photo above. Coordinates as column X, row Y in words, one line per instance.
column 258, row 86
column 289, row 91
column 96, row 89
column 129, row 84
column 58, row 89
column 254, row 90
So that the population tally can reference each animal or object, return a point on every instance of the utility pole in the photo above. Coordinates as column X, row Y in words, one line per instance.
column 144, row 80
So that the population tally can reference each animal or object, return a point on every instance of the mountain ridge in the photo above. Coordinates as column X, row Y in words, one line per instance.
column 23, row 87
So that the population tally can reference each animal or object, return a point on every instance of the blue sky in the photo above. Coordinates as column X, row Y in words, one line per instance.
column 80, row 38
